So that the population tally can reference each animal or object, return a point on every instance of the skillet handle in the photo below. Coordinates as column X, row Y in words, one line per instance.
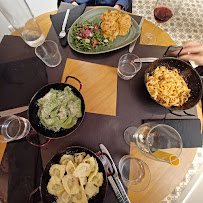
column 32, row 193
column 181, row 48
column 74, row 79
column 34, row 144
column 185, row 113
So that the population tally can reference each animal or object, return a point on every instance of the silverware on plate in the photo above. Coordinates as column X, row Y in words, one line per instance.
column 132, row 45
column 115, row 177
column 62, row 34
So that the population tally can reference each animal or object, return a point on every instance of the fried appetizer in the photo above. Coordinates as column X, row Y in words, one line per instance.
column 114, row 24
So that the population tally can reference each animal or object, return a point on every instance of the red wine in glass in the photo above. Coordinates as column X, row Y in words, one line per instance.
column 162, row 14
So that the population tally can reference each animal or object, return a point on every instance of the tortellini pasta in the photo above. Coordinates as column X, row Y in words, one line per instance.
column 57, row 170
column 66, row 158
column 76, row 179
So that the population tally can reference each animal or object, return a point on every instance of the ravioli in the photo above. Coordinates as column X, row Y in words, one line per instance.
column 59, row 109
column 76, row 179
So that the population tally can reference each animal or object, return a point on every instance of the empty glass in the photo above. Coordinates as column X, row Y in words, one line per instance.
column 128, row 66
column 23, row 21
column 13, row 128
column 157, row 141
column 135, row 173
column 49, row 53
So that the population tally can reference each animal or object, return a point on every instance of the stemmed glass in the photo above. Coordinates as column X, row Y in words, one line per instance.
column 156, row 141
column 163, row 11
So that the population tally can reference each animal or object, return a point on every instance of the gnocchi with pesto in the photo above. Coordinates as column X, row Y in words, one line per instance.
column 76, row 178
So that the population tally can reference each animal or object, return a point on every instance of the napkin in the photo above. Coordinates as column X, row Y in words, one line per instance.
column 24, row 170
column 20, row 80
column 189, row 130
column 57, row 21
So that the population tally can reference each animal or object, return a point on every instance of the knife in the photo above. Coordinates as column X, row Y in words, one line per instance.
column 14, row 110
column 146, row 60
column 115, row 176
column 132, row 45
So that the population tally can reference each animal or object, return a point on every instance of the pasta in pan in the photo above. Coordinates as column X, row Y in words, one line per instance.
column 167, row 87
column 76, row 179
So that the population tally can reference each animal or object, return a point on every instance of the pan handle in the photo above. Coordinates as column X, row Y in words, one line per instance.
column 74, row 79
column 34, row 144
column 185, row 113
column 181, row 48
column 32, row 193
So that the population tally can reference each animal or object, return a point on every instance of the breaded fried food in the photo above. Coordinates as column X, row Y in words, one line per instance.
column 124, row 24
column 110, row 29
column 114, row 24
column 110, row 15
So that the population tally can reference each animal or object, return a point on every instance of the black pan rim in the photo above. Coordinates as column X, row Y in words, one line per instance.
column 189, row 66
column 62, row 152
column 65, row 132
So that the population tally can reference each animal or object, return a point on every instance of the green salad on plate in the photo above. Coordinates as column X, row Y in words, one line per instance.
column 88, row 36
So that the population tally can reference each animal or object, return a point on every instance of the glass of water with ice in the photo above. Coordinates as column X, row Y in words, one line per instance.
column 128, row 66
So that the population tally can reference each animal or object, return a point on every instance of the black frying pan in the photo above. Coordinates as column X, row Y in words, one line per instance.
column 48, row 198
column 33, row 109
column 187, row 72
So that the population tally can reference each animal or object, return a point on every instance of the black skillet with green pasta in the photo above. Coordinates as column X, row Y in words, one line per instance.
column 68, row 123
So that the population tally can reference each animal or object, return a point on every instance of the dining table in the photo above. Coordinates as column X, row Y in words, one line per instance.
column 112, row 105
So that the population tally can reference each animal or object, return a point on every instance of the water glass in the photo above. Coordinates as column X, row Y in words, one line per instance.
column 128, row 66
column 13, row 128
column 135, row 173
column 49, row 53
column 23, row 21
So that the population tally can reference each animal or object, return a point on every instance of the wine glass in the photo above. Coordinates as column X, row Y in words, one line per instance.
column 163, row 11
column 156, row 141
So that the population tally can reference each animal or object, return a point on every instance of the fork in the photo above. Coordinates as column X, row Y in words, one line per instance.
column 62, row 34
column 111, row 180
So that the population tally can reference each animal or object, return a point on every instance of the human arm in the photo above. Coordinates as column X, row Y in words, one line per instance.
column 74, row 3
column 192, row 51
column 123, row 4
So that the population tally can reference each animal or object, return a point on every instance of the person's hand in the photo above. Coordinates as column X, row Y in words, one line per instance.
column 74, row 3
column 117, row 6
column 192, row 51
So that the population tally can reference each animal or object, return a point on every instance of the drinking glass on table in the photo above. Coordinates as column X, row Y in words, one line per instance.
column 128, row 66
column 13, row 128
column 135, row 173
column 156, row 141
column 163, row 11
column 49, row 53
column 24, row 23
